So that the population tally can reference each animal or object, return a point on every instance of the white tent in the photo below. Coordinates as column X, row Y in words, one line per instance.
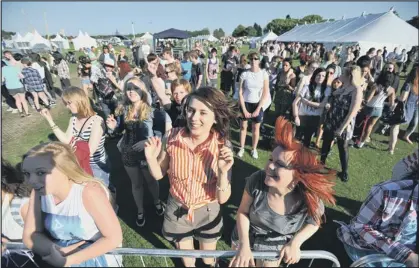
column 38, row 41
column 147, row 36
column 374, row 30
column 19, row 42
column 61, row 42
column 207, row 37
column 84, row 41
column 267, row 37
column 28, row 37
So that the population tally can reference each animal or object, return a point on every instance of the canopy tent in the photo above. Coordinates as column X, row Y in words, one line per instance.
column 60, row 42
column 209, row 38
column 19, row 42
column 84, row 41
column 39, row 42
column 374, row 30
column 172, row 34
column 270, row 36
column 146, row 36
column 28, row 37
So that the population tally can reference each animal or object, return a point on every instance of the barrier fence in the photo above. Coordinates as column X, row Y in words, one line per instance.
column 219, row 254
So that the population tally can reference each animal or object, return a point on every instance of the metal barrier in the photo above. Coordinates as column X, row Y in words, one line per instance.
column 378, row 259
column 174, row 253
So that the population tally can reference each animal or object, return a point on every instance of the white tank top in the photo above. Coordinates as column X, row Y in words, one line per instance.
column 11, row 228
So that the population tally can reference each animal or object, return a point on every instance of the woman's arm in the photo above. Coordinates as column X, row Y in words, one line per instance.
column 160, row 91
column 98, row 206
column 243, row 221
column 241, row 98
column 98, row 129
column 353, row 110
column 305, row 233
column 64, row 137
column 291, row 85
column 295, row 105
column 33, row 230
column 265, row 93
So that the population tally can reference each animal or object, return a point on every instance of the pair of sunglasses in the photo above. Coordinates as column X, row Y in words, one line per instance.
column 253, row 59
column 133, row 87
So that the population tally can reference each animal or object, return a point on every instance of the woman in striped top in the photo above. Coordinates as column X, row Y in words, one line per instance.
column 197, row 159
column 85, row 125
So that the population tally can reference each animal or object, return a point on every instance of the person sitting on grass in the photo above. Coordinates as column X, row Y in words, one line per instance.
column 387, row 221
column 282, row 205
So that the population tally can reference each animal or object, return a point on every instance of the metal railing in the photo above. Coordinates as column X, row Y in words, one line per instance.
column 378, row 259
column 175, row 253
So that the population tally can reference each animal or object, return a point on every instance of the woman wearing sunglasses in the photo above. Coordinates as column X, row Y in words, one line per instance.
column 197, row 159
column 282, row 205
column 135, row 117
column 253, row 93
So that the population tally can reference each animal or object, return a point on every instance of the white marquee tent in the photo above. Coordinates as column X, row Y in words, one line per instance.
column 209, row 38
column 373, row 30
column 267, row 37
column 83, row 40
column 38, row 41
column 147, row 36
column 61, row 42
column 19, row 42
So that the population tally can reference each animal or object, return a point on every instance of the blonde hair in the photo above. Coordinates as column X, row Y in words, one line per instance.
column 143, row 111
column 174, row 67
column 79, row 98
column 354, row 71
column 181, row 82
column 64, row 159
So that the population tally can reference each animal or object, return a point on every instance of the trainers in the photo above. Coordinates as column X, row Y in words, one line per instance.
column 367, row 140
column 255, row 154
column 159, row 208
column 240, row 153
column 359, row 145
column 140, row 220
column 9, row 109
column 15, row 111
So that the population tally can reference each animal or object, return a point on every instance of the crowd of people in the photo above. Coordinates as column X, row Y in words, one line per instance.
column 173, row 120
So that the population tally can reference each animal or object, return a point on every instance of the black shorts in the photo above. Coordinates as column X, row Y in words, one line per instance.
column 251, row 107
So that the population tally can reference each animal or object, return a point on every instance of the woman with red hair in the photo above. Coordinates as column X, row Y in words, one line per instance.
column 282, row 205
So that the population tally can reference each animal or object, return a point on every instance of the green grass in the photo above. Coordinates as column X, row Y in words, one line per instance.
column 367, row 167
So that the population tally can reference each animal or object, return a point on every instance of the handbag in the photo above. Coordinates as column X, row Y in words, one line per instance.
column 397, row 116
column 82, row 151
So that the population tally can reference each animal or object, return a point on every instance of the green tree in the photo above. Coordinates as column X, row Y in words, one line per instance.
column 312, row 19
column 280, row 26
column 258, row 29
column 239, row 31
column 288, row 17
column 414, row 21
column 250, row 31
column 7, row 35
column 218, row 33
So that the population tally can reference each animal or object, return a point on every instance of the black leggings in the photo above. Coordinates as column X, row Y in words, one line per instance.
column 328, row 137
column 308, row 127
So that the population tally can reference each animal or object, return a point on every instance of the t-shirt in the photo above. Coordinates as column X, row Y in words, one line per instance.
column 309, row 110
column 186, row 69
column 253, row 85
column 10, row 74
column 196, row 71
column 263, row 220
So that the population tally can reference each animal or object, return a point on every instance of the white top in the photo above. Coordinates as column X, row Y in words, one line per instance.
column 39, row 68
column 309, row 110
column 9, row 227
column 378, row 100
column 253, row 85
column 146, row 49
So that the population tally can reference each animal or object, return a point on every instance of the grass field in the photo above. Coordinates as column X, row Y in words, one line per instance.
column 367, row 167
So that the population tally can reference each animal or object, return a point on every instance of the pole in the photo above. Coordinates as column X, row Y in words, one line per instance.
column 46, row 24
column 133, row 32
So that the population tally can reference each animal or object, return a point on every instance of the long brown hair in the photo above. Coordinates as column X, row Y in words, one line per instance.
column 81, row 101
column 217, row 102
column 315, row 182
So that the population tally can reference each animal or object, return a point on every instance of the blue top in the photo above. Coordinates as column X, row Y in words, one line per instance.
column 10, row 74
column 186, row 67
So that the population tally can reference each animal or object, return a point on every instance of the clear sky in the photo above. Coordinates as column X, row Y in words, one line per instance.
column 107, row 17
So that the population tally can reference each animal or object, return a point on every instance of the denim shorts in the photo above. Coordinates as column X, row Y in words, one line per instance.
column 85, row 81
column 101, row 171
column 251, row 107
column 373, row 111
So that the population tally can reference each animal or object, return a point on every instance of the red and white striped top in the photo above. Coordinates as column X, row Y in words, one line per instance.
column 193, row 173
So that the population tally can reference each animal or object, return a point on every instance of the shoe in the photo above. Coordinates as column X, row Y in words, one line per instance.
column 359, row 145
column 28, row 115
column 140, row 220
column 240, row 153
column 367, row 140
column 343, row 176
column 9, row 109
column 255, row 154
column 15, row 111
column 52, row 103
column 159, row 208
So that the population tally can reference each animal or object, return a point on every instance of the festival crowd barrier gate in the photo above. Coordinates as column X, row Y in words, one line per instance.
column 174, row 253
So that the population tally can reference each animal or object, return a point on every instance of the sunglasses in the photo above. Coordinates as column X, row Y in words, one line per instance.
column 253, row 59
column 133, row 87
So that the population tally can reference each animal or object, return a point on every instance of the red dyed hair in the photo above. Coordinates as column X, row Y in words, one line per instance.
column 124, row 69
column 315, row 181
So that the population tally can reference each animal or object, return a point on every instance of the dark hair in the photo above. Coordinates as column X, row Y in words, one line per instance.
column 216, row 101
column 12, row 182
column 312, row 86
column 364, row 61
column 3, row 63
column 105, row 47
column 27, row 61
column 303, row 62
column 186, row 55
column 35, row 57
column 214, row 50
column 18, row 56
column 151, row 57
column 124, row 69
column 371, row 50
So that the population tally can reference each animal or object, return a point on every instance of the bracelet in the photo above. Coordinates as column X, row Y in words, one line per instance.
column 223, row 189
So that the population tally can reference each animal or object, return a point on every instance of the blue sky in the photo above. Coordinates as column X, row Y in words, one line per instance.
column 107, row 17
